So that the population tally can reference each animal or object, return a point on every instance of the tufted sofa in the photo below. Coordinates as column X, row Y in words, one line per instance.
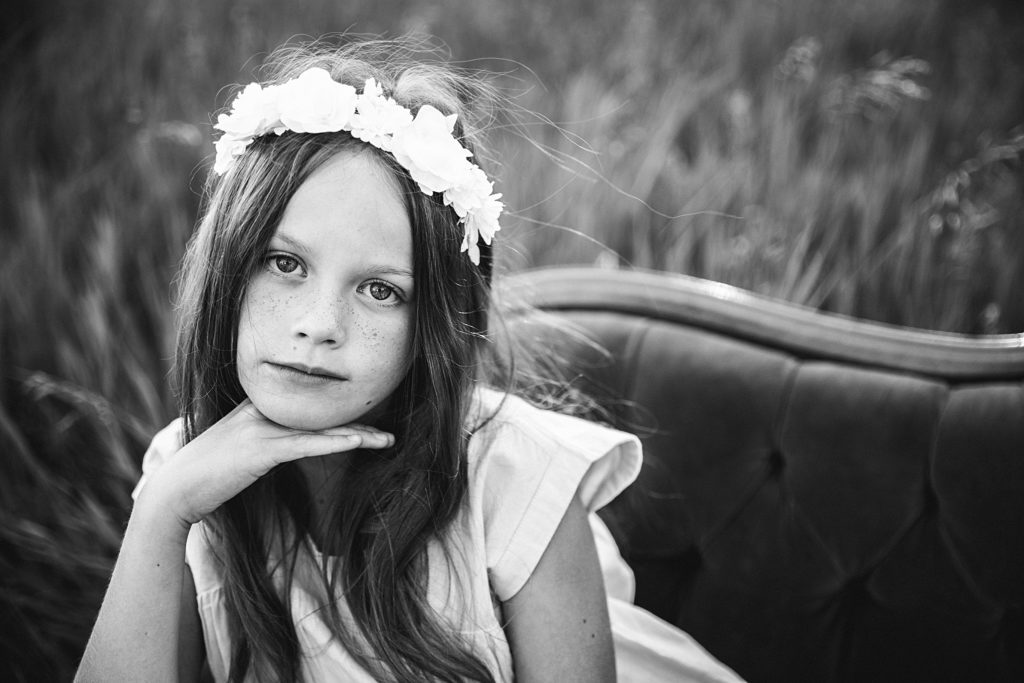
column 822, row 499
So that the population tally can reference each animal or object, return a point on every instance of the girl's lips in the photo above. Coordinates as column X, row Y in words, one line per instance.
column 305, row 373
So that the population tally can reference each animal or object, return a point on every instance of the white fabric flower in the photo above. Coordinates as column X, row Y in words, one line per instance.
column 372, row 88
column 253, row 113
column 377, row 118
column 227, row 149
column 469, row 192
column 427, row 149
column 482, row 223
column 316, row 103
column 485, row 218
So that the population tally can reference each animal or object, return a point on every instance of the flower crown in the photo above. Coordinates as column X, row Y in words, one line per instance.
column 423, row 145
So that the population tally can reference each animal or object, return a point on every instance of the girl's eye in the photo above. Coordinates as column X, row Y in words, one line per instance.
column 283, row 263
column 381, row 291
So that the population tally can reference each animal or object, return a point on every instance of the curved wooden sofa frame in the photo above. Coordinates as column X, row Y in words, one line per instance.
column 822, row 499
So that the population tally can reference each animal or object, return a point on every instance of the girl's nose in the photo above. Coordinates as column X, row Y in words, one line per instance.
column 322, row 321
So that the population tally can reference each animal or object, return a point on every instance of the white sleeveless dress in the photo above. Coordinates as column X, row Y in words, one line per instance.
column 525, row 465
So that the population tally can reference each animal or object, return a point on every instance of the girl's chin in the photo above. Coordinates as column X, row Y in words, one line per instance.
column 293, row 417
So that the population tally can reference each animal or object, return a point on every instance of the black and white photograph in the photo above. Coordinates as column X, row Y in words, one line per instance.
column 536, row 341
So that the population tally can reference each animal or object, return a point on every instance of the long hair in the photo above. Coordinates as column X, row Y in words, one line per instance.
column 387, row 508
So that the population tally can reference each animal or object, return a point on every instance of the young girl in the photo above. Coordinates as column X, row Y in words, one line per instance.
column 343, row 498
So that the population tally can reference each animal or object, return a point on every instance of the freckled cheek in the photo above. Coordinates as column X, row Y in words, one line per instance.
column 263, row 313
column 269, row 306
column 387, row 346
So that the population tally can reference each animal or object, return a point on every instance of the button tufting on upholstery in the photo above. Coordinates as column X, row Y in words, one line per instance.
column 931, row 502
column 1011, row 626
column 776, row 463
column 690, row 560
column 857, row 586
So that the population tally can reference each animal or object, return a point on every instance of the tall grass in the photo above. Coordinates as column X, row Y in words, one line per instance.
column 862, row 157
column 829, row 172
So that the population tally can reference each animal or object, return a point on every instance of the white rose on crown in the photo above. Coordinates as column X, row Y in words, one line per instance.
column 470, row 192
column 227, row 149
column 253, row 113
column 429, row 151
column 482, row 223
column 315, row 103
column 484, row 220
column 378, row 117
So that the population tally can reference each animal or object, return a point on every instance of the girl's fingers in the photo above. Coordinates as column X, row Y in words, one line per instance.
column 375, row 440
column 371, row 433
column 313, row 444
column 351, row 427
column 370, row 437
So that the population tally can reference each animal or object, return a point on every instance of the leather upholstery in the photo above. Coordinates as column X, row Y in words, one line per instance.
column 822, row 499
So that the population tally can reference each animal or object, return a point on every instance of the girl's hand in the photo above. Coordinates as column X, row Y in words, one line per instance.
column 236, row 451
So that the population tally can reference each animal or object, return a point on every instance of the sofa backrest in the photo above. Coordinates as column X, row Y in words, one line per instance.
column 822, row 499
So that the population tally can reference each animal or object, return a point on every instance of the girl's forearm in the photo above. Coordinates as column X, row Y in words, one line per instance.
column 136, row 632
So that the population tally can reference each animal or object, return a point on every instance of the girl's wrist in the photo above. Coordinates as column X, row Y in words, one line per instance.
column 158, row 515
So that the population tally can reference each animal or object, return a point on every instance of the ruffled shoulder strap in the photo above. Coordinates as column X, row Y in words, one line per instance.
column 526, row 464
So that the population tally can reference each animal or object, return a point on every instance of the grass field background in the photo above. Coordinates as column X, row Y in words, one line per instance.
column 862, row 157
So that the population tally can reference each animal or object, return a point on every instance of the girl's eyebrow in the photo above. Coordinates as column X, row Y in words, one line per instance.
column 391, row 270
column 290, row 241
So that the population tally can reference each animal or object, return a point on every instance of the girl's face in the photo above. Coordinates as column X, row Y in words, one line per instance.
column 325, row 328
